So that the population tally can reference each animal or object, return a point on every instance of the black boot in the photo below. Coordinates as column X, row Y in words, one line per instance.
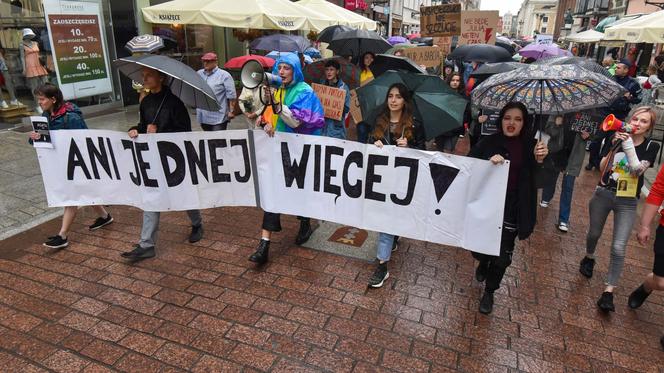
column 304, row 233
column 486, row 304
column 637, row 297
column 480, row 272
column 605, row 302
column 261, row 254
column 196, row 233
column 586, row 266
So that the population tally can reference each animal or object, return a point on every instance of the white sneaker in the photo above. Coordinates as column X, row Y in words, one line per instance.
column 544, row 204
column 3, row 104
column 563, row 227
column 15, row 102
column 39, row 110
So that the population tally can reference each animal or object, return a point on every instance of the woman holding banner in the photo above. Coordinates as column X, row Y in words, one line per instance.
column 63, row 115
column 629, row 158
column 297, row 110
column 514, row 142
column 394, row 126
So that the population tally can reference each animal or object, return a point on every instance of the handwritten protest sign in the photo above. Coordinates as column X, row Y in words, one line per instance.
column 479, row 27
column 544, row 39
column 425, row 56
column 586, row 122
column 440, row 20
column 355, row 111
column 333, row 100
column 444, row 43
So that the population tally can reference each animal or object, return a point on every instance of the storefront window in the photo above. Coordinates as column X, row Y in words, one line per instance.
column 186, row 42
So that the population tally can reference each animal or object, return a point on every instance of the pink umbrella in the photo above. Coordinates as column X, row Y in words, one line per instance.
column 538, row 51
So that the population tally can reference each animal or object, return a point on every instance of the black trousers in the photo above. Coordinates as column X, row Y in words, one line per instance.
column 497, row 265
column 596, row 147
column 272, row 221
column 215, row 127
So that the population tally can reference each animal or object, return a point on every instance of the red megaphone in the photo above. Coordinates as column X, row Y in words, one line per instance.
column 611, row 123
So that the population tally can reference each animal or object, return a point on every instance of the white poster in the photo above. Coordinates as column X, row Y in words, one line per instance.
column 428, row 196
column 76, row 33
column 544, row 39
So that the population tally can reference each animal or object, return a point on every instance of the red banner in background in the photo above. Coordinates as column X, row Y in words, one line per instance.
column 355, row 4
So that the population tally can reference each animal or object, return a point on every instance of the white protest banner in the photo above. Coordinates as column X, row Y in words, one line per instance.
column 429, row 196
column 544, row 39
column 76, row 33
column 425, row 56
column 478, row 27
column 332, row 99
column 440, row 20
column 170, row 171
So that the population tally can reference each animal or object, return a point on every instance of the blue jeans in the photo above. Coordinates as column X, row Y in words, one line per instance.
column 384, row 250
column 565, row 196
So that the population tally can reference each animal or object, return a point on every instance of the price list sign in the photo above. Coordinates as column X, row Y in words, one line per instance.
column 79, row 50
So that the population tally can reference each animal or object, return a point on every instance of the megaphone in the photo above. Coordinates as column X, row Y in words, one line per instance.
column 611, row 123
column 253, row 75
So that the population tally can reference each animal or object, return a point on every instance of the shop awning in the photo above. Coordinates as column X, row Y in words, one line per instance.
column 257, row 14
column 589, row 36
column 606, row 22
column 342, row 15
column 645, row 29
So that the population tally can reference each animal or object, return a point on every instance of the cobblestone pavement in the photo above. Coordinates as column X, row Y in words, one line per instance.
column 204, row 307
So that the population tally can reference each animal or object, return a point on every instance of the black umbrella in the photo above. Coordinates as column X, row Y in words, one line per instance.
column 183, row 81
column 280, row 43
column 358, row 42
column 480, row 53
column 422, row 41
column 385, row 62
column 506, row 46
column 586, row 63
column 489, row 69
column 330, row 32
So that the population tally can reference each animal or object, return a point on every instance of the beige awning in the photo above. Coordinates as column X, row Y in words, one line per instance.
column 257, row 14
column 645, row 29
column 342, row 15
column 588, row 36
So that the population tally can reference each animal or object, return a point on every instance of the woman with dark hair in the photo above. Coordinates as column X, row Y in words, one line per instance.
column 366, row 75
column 394, row 126
column 513, row 142
column 63, row 115
column 447, row 141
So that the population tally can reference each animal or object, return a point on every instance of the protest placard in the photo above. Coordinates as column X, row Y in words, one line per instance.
column 440, row 20
column 444, row 43
column 586, row 122
column 332, row 99
column 425, row 56
column 479, row 27
column 544, row 39
column 355, row 111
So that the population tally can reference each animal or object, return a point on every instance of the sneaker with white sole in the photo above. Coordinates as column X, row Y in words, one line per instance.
column 380, row 275
column 56, row 242
column 3, row 104
column 563, row 227
column 101, row 222
column 544, row 204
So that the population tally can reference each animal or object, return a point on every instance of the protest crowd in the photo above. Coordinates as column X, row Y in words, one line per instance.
column 545, row 116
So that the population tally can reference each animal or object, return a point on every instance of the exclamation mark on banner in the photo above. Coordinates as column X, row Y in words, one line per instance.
column 442, row 177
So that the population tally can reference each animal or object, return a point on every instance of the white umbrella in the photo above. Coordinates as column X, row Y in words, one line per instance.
column 645, row 29
column 588, row 36
column 346, row 16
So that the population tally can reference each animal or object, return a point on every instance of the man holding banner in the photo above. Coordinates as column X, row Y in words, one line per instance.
column 297, row 110
column 160, row 111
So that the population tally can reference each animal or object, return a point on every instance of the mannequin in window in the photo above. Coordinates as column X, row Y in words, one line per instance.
column 35, row 74
column 9, row 86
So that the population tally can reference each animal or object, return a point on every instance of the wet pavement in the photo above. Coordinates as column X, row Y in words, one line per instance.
column 204, row 307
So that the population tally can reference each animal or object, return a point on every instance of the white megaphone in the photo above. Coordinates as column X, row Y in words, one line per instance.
column 253, row 75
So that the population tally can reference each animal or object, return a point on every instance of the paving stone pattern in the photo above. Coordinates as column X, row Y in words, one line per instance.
column 205, row 308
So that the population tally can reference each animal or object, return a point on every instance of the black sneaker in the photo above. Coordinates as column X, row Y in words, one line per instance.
column 139, row 252
column 605, row 302
column 196, row 233
column 637, row 297
column 101, row 222
column 586, row 266
column 262, row 252
column 304, row 233
column 486, row 303
column 395, row 243
column 380, row 275
column 56, row 242
column 480, row 272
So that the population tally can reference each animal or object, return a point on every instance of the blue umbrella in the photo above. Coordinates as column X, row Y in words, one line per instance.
column 281, row 43
column 312, row 52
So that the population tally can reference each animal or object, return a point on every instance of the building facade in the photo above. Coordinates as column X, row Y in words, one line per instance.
column 588, row 13
column 565, row 7
column 411, row 15
column 507, row 23
column 537, row 17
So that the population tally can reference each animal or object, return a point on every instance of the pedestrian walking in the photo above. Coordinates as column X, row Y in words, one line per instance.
column 394, row 126
column 336, row 128
column 365, row 75
column 447, row 141
column 62, row 115
column 298, row 111
column 223, row 86
column 514, row 142
column 567, row 158
column 160, row 112
column 620, row 108
column 619, row 190
column 654, row 280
